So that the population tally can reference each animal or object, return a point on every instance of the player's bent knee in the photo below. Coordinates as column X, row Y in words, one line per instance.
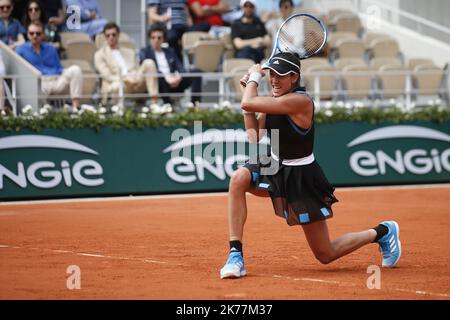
column 240, row 180
column 323, row 257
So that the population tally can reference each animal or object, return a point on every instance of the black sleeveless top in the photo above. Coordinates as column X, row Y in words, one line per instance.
column 294, row 142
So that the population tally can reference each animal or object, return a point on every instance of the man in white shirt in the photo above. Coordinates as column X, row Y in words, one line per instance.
column 120, row 71
column 169, row 66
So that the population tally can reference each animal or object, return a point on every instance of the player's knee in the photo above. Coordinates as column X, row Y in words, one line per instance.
column 239, row 180
column 323, row 257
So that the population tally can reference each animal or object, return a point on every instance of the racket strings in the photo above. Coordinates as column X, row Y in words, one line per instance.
column 302, row 35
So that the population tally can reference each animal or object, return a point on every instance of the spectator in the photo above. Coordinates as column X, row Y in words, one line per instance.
column 286, row 9
column 169, row 65
column 44, row 57
column 119, row 69
column 54, row 10
column 174, row 14
column 11, row 30
column 249, row 34
column 207, row 13
column 92, row 22
column 34, row 13
column 19, row 9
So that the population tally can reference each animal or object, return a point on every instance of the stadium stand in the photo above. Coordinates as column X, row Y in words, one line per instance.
column 360, row 62
column 357, row 82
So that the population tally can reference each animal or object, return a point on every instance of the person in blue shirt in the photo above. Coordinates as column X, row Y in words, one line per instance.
column 92, row 21
column 11, row 30
column 44, row 57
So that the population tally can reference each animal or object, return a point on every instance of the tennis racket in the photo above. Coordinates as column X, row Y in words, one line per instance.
column 302, row 34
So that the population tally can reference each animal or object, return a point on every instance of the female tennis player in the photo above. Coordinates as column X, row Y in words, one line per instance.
column 299, row 190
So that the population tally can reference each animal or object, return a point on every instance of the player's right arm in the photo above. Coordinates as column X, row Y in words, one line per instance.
column 254, row 124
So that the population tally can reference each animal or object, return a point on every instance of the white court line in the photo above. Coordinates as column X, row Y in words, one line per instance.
column 214, row 194
column 145, row 260
column 354, row 285
column 95, row 255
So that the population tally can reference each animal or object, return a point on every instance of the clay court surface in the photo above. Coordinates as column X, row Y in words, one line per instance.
column 173, row 247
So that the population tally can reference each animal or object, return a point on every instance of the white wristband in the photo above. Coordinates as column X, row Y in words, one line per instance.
column 255, row 77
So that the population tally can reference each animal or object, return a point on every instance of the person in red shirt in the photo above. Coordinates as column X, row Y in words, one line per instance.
column 208, row 12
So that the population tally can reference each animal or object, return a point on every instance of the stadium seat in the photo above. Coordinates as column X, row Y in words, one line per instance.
column 377, row 63
column 335, row 37
column 81, row 50
column 348, row 23
column 357, row 81
column 387, row 48
column 334, row 13
column 392, row 80
column 208, row 54
column 228, row 43
column 188, row 41
column 327, row 82
column 307, row 63
column 235, row 67
column 414, row 62
column 340, row 64
column 71, row 36
column 230, row 64
column 370, row 36
column 90, row 77
column 233, row 85
column 428, row 79
column 347, row 48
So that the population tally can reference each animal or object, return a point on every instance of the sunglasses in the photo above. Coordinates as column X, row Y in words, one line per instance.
column 7, row 7
column 34, row 33
column 36, row 9
column 109, row 35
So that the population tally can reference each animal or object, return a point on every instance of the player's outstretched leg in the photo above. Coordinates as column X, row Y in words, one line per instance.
column 390, row 245
column 237, row 215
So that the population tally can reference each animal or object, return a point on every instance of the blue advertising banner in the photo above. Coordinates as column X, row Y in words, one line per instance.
column 83, row 162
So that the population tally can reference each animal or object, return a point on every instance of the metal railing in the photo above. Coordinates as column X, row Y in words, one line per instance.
column 338, row 94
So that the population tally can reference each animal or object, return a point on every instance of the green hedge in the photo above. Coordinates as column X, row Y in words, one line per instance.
column 210, row 118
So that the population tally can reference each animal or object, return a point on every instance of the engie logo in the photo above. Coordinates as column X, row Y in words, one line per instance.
column 416, row 161
column 215, row 151
column 48, row 174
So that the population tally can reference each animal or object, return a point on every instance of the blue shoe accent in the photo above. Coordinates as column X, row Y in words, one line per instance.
column 390, row 246
column 234, row 267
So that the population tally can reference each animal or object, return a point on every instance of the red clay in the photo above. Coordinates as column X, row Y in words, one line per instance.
column 173, row 249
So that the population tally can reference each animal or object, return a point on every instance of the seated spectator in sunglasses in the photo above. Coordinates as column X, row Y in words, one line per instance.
column 11, row 30
column 44, row 57
column 169, row 66
column 120, row 71
column 34, row 13
column 92, row 22
column 249, row 35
